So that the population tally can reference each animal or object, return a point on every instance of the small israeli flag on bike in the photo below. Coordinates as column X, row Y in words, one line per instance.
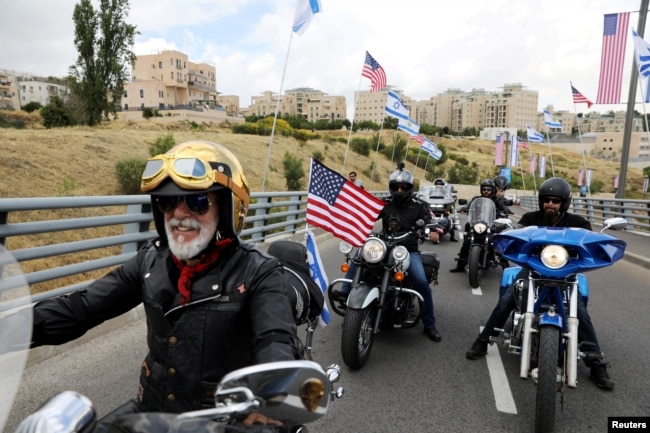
column 317, row 271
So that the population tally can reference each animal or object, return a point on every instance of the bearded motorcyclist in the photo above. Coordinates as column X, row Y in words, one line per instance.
column 554, row 202
column 213, row 302
column 488, row 190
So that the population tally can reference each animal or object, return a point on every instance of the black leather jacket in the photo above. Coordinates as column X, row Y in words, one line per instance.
column 238, row 315
column 404, row 217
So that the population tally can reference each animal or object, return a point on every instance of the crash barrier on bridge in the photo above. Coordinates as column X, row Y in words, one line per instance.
column 598, row 209
column 61, row 241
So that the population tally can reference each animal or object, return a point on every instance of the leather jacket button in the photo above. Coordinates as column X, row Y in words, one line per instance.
column 171, row 371
column 172, row 340
column 171, row 397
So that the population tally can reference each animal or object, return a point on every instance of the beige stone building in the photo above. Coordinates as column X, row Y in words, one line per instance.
column 36, row 90
column 168, row 80
column 9, row 94
column 371, row 106
column 313, row 105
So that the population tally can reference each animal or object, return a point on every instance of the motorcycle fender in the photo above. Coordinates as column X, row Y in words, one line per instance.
column 508, row 278
column 554, row 320
column 361, row 296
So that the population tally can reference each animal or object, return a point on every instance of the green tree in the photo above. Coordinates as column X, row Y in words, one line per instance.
column 103, row 40
column 293, row 172
column 56, row 114
column 31, row 106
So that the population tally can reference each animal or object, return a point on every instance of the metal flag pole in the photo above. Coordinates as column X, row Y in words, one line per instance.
column 354, row 112
column 582, row 149
column 275, row 117
column 374, row 164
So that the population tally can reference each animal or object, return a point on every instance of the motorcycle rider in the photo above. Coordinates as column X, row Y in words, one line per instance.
column 400, row 213
column 554, row 201
column 488, row 190
column 502, row 185
column 213, row 302
column 452, row 229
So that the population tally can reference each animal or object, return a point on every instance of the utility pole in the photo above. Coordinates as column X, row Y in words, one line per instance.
column 629, row 118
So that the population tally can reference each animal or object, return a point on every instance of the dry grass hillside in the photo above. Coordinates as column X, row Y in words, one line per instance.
column 81, row 161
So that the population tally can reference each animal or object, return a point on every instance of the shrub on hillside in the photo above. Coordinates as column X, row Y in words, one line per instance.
column 162, row 145
column 129, row 173
column 56, row 114
column 31, row 107
column 293, row 172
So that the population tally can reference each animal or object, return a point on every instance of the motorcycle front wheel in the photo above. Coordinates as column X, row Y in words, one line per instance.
column 549, row 346
column 475, row 271
column 358, row 336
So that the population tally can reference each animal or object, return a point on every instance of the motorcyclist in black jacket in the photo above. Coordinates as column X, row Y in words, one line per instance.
column 488, row 190
column 213, row 303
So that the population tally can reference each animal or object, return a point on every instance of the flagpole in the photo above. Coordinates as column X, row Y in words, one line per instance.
column 530, row 153
column 392, row 156
column 550, row 153
column 275, row 117
column 582, row 149
column 356, row 97
column 374, row 164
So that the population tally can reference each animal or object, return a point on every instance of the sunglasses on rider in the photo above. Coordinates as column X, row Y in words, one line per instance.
column 197, row 204
column 399, row 187
column 486, row 189
column 553, row 200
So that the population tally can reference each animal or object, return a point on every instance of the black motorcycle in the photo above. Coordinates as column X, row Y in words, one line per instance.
column 381, row 296
column 482, row 225
column 442, row 204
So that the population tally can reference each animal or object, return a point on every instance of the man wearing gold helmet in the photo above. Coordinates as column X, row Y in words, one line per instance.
column 213, row 302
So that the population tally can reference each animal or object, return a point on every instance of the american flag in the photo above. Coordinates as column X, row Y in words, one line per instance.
column 419, row 138
column 372, row 70
column 498, row 157
column 579, row 98
column 521, row 144
column 615, row 30
column 339, row 207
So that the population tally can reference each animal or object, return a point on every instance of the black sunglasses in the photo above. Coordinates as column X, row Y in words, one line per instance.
column 552, row 200
column 197, row 204
column 486, row 189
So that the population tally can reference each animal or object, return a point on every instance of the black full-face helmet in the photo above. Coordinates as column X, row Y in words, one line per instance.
column 555, row 187
column 400, row 184
column 487, row 184
column 196, row 167
column 501, row 182
column 439, row 181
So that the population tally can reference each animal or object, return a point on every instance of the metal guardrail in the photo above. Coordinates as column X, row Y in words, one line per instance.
column 130, row 218
column 596, row 210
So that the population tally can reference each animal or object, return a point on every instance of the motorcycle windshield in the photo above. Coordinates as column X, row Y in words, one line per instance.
column 482, row 209
column 587, row 250
column 15, row 330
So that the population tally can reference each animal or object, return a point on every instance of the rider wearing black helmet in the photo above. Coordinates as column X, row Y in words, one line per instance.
column 488, row 190
column 554, row 202
column 402, row 210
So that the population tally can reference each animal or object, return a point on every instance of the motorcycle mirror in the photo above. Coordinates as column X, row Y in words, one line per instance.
column 297, row 392
column 617, row 223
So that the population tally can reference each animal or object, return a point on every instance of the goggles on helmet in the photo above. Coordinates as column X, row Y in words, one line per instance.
column 186, row 172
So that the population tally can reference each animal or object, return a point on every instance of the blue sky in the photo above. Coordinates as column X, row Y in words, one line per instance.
column 425, row 47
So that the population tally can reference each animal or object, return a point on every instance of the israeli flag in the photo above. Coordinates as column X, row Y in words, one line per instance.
column 408, row 125
column 534, row 136
column 317, row 271
column 305, row 11
column 548, row 119
column 395, row 108
column 432, row 149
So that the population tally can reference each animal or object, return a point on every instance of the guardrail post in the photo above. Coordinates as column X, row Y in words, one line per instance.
column 4, row 219
column 131, row 228
column 259, row 234
column 294, row 216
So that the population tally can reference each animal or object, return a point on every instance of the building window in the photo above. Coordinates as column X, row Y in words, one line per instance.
column 160, row 65
column 141, row 93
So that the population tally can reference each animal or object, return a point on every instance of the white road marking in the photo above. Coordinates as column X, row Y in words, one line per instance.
column 477, row 291
column 503, row 398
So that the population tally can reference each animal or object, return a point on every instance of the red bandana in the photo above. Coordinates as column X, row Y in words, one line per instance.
column 188, row 272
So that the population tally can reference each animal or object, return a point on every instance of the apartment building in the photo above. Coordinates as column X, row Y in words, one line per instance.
column 371, row 106
column 9, row 99
column 313, row 105
column 35, row 90
column 168, row 79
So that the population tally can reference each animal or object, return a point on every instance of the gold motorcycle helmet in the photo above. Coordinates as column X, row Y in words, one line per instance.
column 195, row 167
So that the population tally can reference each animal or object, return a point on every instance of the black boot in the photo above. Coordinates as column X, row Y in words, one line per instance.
column 460, row 266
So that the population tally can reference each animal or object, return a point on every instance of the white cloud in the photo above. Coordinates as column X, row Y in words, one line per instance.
column 425, row 47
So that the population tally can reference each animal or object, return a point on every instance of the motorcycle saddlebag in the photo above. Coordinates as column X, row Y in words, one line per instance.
column 306, row 297
column 431, row 265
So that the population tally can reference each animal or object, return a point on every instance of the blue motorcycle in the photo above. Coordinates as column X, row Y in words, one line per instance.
column 544, row 325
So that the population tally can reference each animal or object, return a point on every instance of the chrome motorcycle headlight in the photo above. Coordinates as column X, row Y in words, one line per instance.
column 345, row 247
column 374, row 250
column 400, row 253
column 554, row 256
column 480, row 228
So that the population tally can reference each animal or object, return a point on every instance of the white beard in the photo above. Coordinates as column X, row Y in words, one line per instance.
column 184, row 249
